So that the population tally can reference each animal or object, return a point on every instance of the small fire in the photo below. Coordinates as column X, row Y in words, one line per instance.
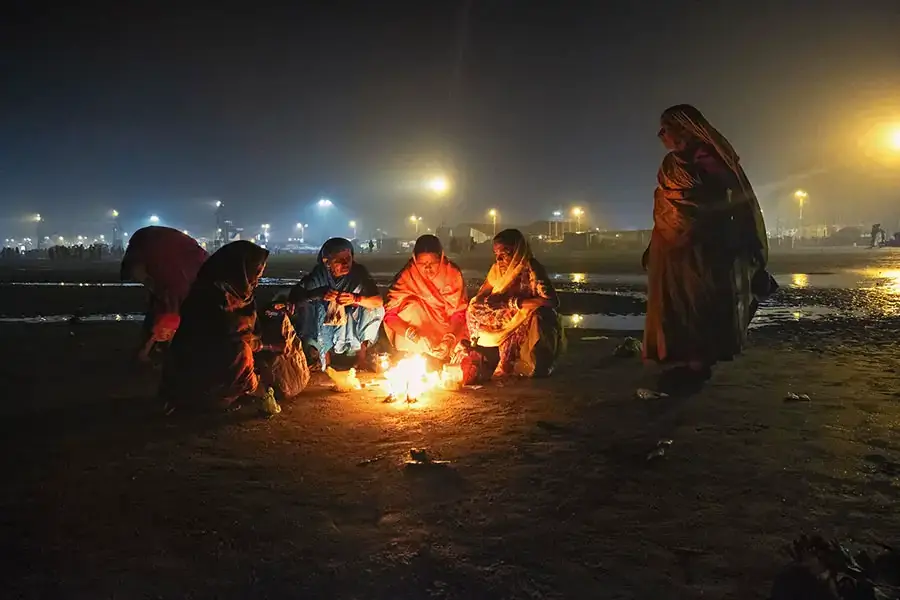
column 410, row 378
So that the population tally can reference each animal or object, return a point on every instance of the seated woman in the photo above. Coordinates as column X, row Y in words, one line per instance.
column 515, row 310
column 338, row 305
column 210, row 363
column 166, row 262
column 426, row 305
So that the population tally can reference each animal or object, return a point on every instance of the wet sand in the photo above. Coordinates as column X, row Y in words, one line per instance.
column 548, row 495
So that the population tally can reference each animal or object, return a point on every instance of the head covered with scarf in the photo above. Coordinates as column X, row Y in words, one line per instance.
column 337, row 268
column 235, row 267
column 683, row 126
column 513, row 255
column 440, row 287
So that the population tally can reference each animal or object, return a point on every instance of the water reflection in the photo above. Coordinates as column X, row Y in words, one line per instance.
column 799, row 280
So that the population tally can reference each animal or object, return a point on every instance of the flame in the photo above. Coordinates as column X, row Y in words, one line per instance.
column 410, row 378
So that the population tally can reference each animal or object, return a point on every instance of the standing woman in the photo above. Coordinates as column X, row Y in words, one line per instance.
column 338, row 305
column 708, row 244
column 515, row 310
column 166, row 262
column 210, row 364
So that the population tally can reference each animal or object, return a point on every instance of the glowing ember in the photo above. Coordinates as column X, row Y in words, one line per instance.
column 410, row 378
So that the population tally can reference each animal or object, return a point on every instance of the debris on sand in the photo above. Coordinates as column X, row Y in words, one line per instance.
column 344, row 381
column 269, row 406
column 629, row 348
column 827, row 570
column 792, row 397
column 647, row 394
column 369, row 461
column 594, row 338
column 420, row 458
column 660, row 450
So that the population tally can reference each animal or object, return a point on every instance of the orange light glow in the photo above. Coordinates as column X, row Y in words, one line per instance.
column 410, row 378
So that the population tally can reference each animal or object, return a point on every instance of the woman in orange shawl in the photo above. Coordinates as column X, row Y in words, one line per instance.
column 426, row 303
column 515, row 310
column 708, row 245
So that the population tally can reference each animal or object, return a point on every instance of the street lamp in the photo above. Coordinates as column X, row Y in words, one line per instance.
column 352, row 225
column 801, row 197
column 577, row 212
column 154, row 219
column 415, row 221
column 439, row 184
column 302, row 229
column 325, row 203
column 493, row 214
column 265, row 228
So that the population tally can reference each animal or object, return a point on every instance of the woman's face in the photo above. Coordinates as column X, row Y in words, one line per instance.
column 254, row 277
column 428, row 263
column 339, row 263
column 669, row 137
column 503, row 254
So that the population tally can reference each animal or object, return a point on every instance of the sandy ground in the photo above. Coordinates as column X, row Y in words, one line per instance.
column 548, row 495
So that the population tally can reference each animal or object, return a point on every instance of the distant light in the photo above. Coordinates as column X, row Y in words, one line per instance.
column 184, row 231
column 103, row 238
column 801, row 196
column 557, row 213
column 414, row 218
column 439, row 184
column 154, row 219
column 62, row 239
column 352, row 224
column 299, row 225
column 265, row 226
column 894, row 138
column 325, row 203
column 37, row 218
column 492, row 212
column 218, row 204
column 115, row 214
column 577, row 211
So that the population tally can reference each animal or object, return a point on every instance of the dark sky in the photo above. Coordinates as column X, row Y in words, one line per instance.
column 533, row 105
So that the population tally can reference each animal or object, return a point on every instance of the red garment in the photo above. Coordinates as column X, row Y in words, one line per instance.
column 171, row 260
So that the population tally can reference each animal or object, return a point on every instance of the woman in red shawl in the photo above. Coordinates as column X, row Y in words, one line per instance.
column 166, row 262
column 210, row 363
column 426, row 303
column 708, row 244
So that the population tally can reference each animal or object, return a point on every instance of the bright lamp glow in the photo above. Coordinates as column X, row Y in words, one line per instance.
column 154, row 219
column 325, row 203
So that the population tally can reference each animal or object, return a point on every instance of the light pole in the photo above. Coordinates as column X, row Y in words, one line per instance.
column 265, row 235
column 415, row 221
column 352, row 225
column 325, row 203
column 493, row 215
column 801, row 197
column 577, row 212
column 557, row 215
column 302, row 229
column 37, row 229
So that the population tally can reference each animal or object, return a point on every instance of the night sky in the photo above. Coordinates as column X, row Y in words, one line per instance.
column 531, row 105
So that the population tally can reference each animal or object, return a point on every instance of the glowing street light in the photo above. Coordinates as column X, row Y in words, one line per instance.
column 302, row 229
column 37, row 218
column 154, row 219
column 218, row 204
column 493, row 215
column 439, row 184
column 801, row 197
column 894, row 138
column 415, row 221
column 577, row 212
column 325, row 203
column 352, row 225
column 114, row 213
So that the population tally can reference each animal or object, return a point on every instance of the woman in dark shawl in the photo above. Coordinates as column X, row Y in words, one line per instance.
column 338, row 305
column 166, row 262
column 210, row 363
column 515, row 310
column 708, row 245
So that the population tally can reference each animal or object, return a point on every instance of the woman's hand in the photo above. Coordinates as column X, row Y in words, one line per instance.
column 532, row 303
column 331, row 295
column 346, row 299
